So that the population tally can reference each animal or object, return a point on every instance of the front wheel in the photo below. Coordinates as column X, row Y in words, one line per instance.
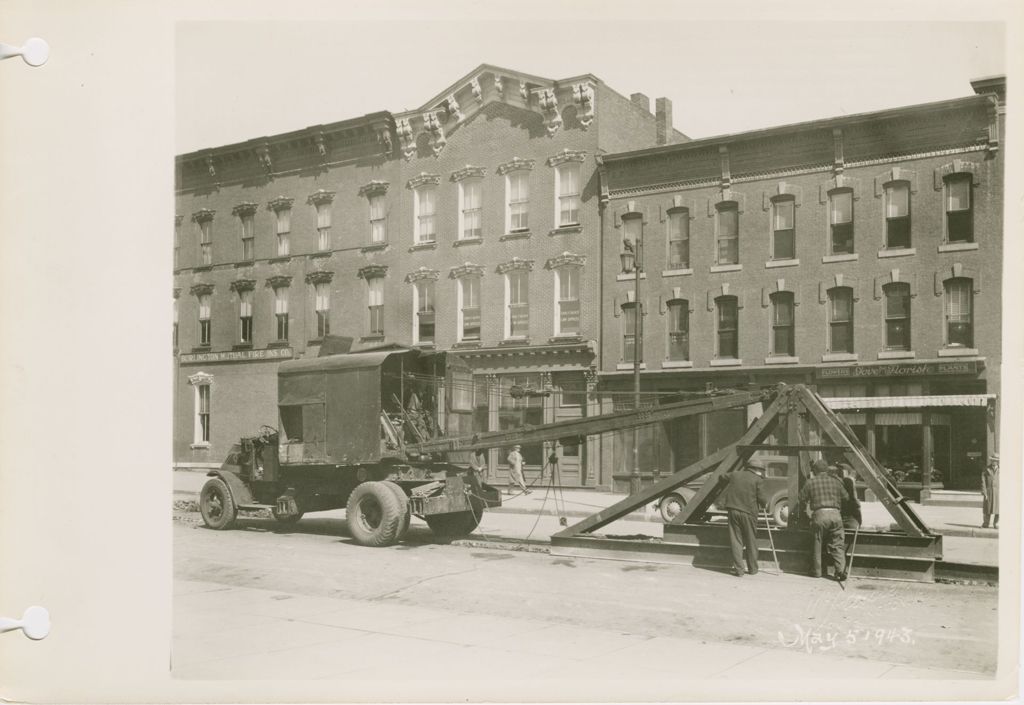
column 374, row 514
column 454, row 524
column 670, row 506
column 780, row 512
column 217, row 505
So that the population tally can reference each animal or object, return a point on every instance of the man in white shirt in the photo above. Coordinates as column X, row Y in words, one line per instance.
column 515, row 469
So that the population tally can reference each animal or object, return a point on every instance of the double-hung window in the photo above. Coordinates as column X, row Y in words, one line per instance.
column 206, row 240
column 631, row 351
column 205, row 324
column 959, row 210
column 783, row 342
column 518, row 185
column 469, row 308
column 897, row 316
column 840, row 320
column 322, row 306
column 425, row 311
column 245, row 317
column 959, row 313
column 281, row 312
column 728, row 247
column 202, row 431
column 568, row 300
column 284, row 227
column 375, row 304
column 378, row 223
column 678, row 311
column 784, row 228
column 471, row 216
column 426, row 203
column 897, row 215
column 248, row 248
column 840, row 218
column 323, row 226
column 567, row 178
column 517, row 321
column 679, row 238
column 727, row 325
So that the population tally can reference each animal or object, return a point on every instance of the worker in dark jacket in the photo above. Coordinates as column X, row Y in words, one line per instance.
column 852, row 519
column 741, row 497
column 824, row 495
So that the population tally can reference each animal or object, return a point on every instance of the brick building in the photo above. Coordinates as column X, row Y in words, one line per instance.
column 859, row 254
column 469, row 225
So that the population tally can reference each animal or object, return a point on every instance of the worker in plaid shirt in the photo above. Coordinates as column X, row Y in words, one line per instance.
column 825, row 494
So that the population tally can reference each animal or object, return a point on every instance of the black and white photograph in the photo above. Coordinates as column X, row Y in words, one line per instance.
column 612, row 355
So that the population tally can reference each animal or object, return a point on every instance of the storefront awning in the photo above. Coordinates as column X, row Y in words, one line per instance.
column 915, row 402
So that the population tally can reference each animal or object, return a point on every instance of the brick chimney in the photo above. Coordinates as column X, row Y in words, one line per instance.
column 663, row 121
column 641, row 101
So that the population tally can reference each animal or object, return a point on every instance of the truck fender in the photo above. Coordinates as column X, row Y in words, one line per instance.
column 239, row 492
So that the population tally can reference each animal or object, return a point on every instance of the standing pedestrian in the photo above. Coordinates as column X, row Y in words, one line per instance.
column 478, row 463
column 990, row 492
column 824, row 494
column 742, row 496
column 515, row 469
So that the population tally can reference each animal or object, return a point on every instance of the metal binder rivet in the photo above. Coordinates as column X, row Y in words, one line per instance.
column 35, row 623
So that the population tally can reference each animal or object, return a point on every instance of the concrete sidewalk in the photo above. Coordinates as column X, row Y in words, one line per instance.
column 265, row 634
column 579, row 503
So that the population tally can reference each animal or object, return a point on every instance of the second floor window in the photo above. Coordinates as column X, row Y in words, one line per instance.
column 205, row 324
column 206, row 241
column 281, row 312
column 517, row 321
column 426, row 202
column 323, row 226
column 897, row 316
column 959, row 211
column 378, row 223
column 518, row 184
column 784, row 228
column 727, row 325
column 248, row 248
column 631, row 351
column 783, row 343
column 375, row 304
column 728, row 234
column 284, row 227
column 840, row 320
column 245, row 317
column 897, row 215
column 469, row 308
column 959, row 313
column 567, row 184
column 425, row 311
column 471, row 217
column 568, row 300
column 840, row 218
column 678, row 311
column 679, row 239
column 322, row 306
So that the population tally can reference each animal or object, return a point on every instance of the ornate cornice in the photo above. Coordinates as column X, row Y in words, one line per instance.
column 515, row 164
column 466, row 269
column 243, row 285
column 320, row 196
column 279, row 280
column 468, row 172
column 957, row 166
column 201, row 289
column 474, row 87
column 515, row 264
column 200, row 379
column 374, row 188
column 384, row 140
column 583, row 98
column 403, row 128
column 451, row 106
column 549, row 109
column 280, row 203
column 421, row 274
column 244, row 209
column 567, row 155
column 373, row 271
column 566, row 259
column 319, row 277
column 263, row 156
column 423, row 179
column 203, row 215
column 432, row 125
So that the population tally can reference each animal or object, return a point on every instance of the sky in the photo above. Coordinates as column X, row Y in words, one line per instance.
column 240, row 80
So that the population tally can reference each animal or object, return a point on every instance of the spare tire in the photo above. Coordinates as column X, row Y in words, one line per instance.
column 374, row 514
column 403, row 502
column 453, row 524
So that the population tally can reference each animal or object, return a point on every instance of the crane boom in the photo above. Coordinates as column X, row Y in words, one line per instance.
column 590, row 425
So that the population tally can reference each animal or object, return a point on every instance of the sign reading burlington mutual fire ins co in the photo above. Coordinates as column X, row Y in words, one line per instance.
column 238, row 355
column 965, row 367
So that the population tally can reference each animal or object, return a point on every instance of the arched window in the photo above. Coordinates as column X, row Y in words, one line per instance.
column 897, row 316
column 840, row 319
column 727, row 233
column 959, row 312
column 630, row 349
column 897, row 214
column 679, row 238
column 727, row 327
column 959, row 208
column 783, row 339
column 784, row 228
column 678, row 312
column 840, row 218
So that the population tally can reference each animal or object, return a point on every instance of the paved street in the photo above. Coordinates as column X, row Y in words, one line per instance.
column 261, row 603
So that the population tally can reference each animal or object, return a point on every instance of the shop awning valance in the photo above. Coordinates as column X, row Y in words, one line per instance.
column 914, row 402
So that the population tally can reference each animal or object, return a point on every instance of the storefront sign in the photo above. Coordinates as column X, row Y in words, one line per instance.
column 237, row 355
column 920, row 369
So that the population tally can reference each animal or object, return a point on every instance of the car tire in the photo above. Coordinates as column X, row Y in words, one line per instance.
column 373, row 514
column 403, row 502
column 780, row 512
column 216, row 505
column 670, row 505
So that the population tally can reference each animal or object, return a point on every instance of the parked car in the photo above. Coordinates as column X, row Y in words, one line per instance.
column 776, row 485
